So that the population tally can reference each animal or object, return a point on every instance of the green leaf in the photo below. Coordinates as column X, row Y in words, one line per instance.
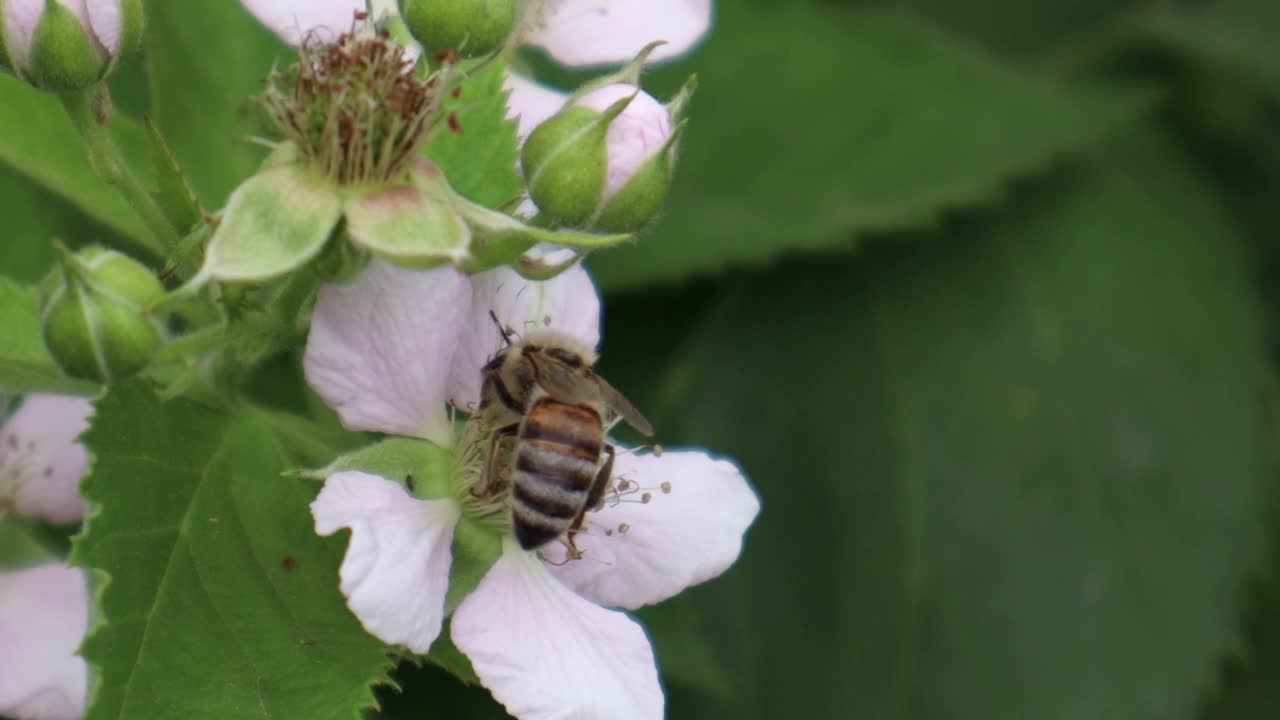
column 222, row 600
column 38, row 140
column 680, row 644
column 814, row 123
column 1236, row 34
column 25, row 364
column 480, row 158
column 19, row 546
column 1016, row 472
column 204, row 62
column 173, row 192
column 1248, row 690
column 33, row 217
column 1023, row 29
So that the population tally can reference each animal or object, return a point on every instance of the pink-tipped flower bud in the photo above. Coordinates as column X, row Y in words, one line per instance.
column 604, row 161
column 67, row 45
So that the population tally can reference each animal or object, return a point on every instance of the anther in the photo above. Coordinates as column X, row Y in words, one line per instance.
column 666, row 488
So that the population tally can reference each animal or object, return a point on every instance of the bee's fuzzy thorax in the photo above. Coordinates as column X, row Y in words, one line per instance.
column 551, row 338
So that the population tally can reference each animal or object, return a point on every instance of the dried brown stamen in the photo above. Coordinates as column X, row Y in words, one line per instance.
column 355, row 108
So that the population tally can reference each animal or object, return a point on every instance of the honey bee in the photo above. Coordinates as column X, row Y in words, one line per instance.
column 542, row 391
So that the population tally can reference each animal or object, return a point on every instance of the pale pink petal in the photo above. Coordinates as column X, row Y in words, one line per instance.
column 636, row 553
column 19, row 26
column 44, row 613
column 106, row 18
column 530, row 102
column 544, row 652
column 41, row 461
column 641, row 130
column 591, row 32
column 567, row 303
column 292, row 20
column 380, row 348
column 396, row 569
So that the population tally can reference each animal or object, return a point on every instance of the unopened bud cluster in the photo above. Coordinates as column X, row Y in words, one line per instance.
column 93, row 308
column 67, row 45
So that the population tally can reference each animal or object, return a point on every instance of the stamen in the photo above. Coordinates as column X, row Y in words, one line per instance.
column 355, row 109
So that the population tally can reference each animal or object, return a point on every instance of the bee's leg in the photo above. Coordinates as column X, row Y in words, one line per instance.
column 595, row 499
column 490, row 479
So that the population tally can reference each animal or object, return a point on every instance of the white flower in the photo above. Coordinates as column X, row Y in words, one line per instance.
column 388, row 350
column 44, row 608
column 44, row 614
column 40, row 461
column 537, row 628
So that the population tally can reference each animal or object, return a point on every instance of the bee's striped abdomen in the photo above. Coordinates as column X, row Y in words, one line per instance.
column 556, row 463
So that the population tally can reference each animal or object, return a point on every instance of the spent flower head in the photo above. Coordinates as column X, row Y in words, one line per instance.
column 353, row 114
column 354, row 109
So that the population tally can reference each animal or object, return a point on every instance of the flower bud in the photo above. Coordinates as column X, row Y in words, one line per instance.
column 67, row 45
column 92, row 309
column 603, row 162
column 471, row 27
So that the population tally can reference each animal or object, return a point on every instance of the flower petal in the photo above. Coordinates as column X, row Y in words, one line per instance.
column 396, row 569
column 591, row 32
column 531, row 102
column 640, row 131
column 292, row 20
column 638, row 553
column 40, row 455
column 106, row 19
column 44, row 613
column 567, row 303
column 380, row 348
column 545, row 652
column 18, row 23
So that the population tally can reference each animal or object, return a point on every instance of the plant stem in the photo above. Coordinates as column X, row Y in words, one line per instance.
column 90, row 112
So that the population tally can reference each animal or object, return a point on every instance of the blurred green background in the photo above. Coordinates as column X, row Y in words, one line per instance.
column 979, row 294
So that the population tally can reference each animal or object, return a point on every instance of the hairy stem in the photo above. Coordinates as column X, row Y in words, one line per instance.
column 90, row 112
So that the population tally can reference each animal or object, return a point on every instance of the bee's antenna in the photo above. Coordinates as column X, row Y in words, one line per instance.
column 506, row 337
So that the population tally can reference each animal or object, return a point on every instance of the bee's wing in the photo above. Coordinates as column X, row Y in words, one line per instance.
column 623, row 407
column 570, row 384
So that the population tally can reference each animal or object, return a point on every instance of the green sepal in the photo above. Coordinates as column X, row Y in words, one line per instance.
column 628, row 74
column 445, row 654
column 173, row 192
column 426, row 469
column 678, row 106
column 19, row 546
column 63, row 56
column 501, row 239
column 410, row 225
column 131, row 23
column 637, row 203
column 476, row 547
column 566, row 160
column 275, row 222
